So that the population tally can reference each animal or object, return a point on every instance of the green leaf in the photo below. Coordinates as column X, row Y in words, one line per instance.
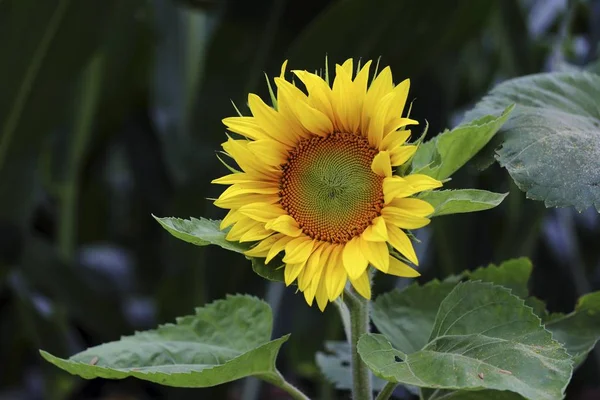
column 224, row 341
column 203, row 232
column 438, row 394
column 552, row 137
column 512, row 274
column 406, row 317
column 579, row 331
column 335, row 366
column 483, row 338
column 200, row 232
column 461, row 201
column 441, row 156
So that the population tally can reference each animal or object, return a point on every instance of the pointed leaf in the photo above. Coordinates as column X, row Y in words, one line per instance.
column 512, row 274
column 483, row 338
column 203, row 232
column 579, row 331
column 441, row 156
column 406, row 317
column 200, row 232
column 551, row 139
column 461, row 201
column 224, row 341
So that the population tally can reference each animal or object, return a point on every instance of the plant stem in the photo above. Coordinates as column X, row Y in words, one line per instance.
column 278, row 380
column 359, row 325
column 387, row 391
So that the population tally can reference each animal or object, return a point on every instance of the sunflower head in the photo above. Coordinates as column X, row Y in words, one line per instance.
column 319, row 182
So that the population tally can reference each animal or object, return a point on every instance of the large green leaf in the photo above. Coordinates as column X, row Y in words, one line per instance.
column 461, row 201
column 483, row 338
column 441, row 156
column 579, row 331
column 224, row 341
column 439, row 394
column 203, row 232
column 406, row 317
column 551, row 140
column 512, row 274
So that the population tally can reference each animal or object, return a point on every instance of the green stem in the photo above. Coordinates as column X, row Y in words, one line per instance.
column 278, row 380
column 359, row 325
column 387, row 391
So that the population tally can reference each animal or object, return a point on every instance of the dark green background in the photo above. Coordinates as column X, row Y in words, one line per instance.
column 110, row 111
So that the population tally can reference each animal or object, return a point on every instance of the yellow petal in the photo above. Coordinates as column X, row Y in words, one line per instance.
column 292, row 271
column 377, row 231
column 234, row 178
column 269, row 151
column 239, row 201
column 378, row 120
column 397, row 106
column 398, row 268
column 362, row 285
column 347, row 67
column 263, row 247
column 394, row 139
column 319, row 93
column 377, row 253
column 240, row 227
column 321, row 294
column 277, row 247
column 402, row 154
column 417, row 207
column 381, row 164
column 422, row 182
column 286, row 225
column 345, row 102
column 402, row 218
column 312, row 266
column 262, row 212
column 400, row 241
column 298, row 250
column 361, row 80
column 257, row 232
column 231, row 218
column 396, row 186
column 248, row 162
column 245, row 126
column 353, row 258
column 311, row 290
column 336, row 274
column 381, row 86
column 242, row 189
column 271, row 121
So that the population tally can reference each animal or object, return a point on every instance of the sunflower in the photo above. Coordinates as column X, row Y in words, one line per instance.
column 318, row 180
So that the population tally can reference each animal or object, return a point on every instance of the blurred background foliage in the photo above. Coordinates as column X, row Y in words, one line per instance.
column 111, row 110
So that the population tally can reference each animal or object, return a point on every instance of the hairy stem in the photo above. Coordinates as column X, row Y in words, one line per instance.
column 387, row 391
column 278, row 380
column 359, row 325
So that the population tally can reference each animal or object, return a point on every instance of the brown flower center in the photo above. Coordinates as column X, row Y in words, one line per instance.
column 328, row 186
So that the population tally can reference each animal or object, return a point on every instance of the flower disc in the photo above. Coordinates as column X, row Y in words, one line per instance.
column 329, row 188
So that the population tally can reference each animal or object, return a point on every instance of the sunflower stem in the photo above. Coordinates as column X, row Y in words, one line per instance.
column 278, row 380
column 359, row 325
column 387, row 391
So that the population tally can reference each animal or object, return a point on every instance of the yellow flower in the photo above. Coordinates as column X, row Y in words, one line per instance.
column 317, row 181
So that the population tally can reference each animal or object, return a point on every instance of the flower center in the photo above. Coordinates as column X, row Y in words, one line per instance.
column 328, row 187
